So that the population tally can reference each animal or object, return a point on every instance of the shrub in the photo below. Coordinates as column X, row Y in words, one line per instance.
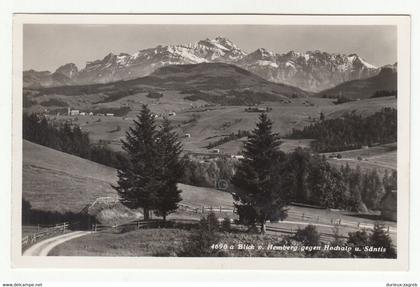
column 359, row 240
column 200, row 242
column 380, row 238
column 337, row 242
column 212, row 224
column 247, row 215
column 226, row 226
column 308, row 236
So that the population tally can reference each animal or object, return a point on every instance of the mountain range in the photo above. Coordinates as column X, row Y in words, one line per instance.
column 312, row 71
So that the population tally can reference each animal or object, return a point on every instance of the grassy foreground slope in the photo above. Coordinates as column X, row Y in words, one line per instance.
column 57, row 181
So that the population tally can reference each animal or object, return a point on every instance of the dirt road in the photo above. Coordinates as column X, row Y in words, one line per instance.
column 44, row 247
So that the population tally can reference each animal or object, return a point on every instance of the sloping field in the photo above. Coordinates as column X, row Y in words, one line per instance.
column 56, row 181
column 208, row 124
column 198, row 196
column 381, row 158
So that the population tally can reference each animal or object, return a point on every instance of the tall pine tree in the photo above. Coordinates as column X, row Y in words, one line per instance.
column 171, row 170
column 257, row 181
column 138, row 178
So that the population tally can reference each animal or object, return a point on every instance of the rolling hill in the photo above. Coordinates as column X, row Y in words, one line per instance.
column 365, row 88
column 215, row 83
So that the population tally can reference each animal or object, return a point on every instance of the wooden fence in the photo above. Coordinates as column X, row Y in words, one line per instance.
column 46, row 231
column 229, row 211
column 139, row 224
column 324, row 237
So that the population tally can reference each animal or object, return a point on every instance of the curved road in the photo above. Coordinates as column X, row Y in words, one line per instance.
column 42, row 248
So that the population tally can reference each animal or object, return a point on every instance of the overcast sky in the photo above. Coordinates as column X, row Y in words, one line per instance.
column 46, row 47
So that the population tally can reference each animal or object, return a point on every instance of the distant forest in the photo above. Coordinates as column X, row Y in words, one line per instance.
column 351, row 131
column 69, row 139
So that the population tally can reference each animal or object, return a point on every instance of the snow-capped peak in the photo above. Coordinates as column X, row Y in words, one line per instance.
column 311, row 70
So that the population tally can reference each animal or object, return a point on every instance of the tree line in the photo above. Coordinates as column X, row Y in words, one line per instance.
column 314, row 181
column 267, row 180
column 68, row 138
column 351, row 131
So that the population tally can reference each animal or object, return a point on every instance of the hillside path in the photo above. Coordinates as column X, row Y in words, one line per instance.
column 42, row 248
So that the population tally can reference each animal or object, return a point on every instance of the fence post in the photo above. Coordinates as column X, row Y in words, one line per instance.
column 358, row 225
column 388, row 229
column 138, row 224
column 317, row 219
column 303, row 216
column 220, row 209
column 37, row 229
column 64, row 227
column 202, row 209
column 339, row 221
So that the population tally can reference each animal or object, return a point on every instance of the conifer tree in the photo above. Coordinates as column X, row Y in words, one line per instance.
column 139, row 178
column 171, row 170
column 380, row 238
column 257, row 181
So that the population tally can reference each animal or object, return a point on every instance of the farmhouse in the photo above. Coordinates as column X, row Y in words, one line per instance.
column 257, row 109
column 389, row 206
column 237, row 156
column 109, row 114
column 74, row 112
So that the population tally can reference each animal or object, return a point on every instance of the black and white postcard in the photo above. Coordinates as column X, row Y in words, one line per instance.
column 211, row 141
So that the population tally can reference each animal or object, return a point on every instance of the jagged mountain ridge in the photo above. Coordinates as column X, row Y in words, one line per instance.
column 313, row 71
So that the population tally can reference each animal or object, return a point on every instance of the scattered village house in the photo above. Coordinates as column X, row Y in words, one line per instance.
column 257, row 109
column 237, row 156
